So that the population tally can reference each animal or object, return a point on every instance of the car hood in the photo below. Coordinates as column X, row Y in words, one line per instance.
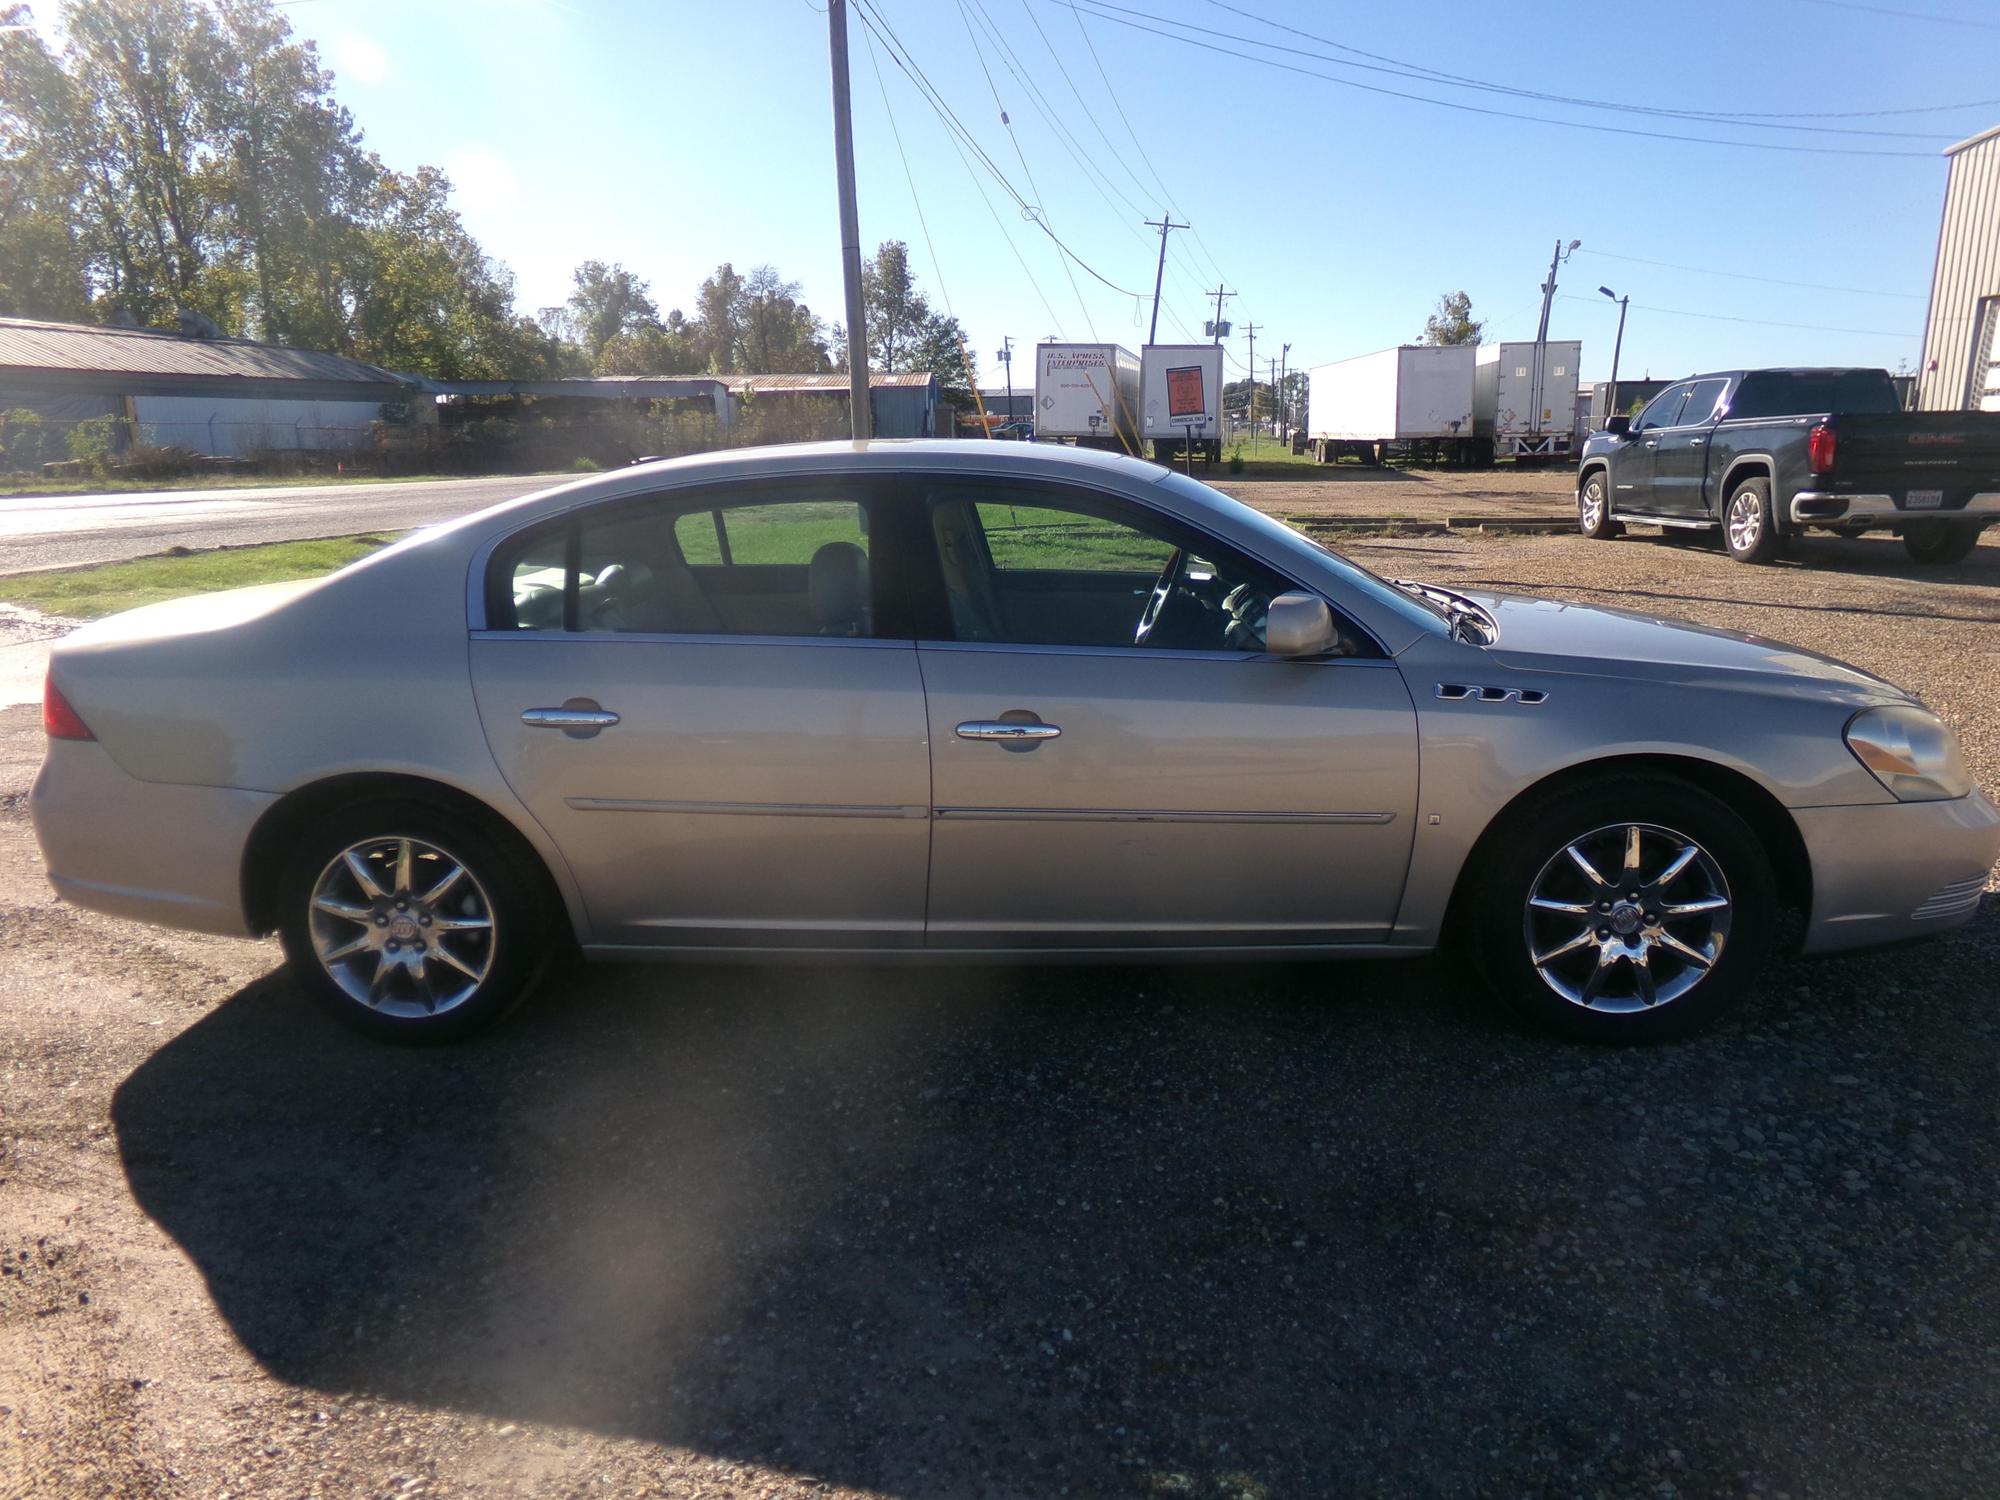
column 1549, row 635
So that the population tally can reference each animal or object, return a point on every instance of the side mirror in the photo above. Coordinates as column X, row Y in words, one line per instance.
column 1299, row 624
column 1619, row 425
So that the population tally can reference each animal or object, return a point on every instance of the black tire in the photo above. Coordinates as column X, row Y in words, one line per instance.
column 1526, row 855
column 1938, row 544
column 1751, row 536
column 505, row 886
column 1593, row 508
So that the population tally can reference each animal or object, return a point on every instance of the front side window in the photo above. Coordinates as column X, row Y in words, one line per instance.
column 1664, row 410
column 1033, row 566
column 796, row 564
column 1700, row 406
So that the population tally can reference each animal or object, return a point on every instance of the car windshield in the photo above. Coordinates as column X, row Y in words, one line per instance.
column 1413, row 607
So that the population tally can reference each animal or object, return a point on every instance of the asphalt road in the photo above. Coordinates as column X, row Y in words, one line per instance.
column 1224, row 1233
column 64, row 531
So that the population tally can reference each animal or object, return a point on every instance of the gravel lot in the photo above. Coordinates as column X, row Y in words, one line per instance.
column 1203, row 1232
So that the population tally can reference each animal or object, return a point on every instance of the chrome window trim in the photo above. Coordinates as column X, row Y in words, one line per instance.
column 1126, row 653
column 668, row 638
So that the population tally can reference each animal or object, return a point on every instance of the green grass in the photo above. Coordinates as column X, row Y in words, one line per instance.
column 92, row 593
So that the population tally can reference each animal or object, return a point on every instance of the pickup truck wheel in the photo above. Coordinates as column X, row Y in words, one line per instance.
column 1748, row 527
column 1593, row 509
column 1939, row 543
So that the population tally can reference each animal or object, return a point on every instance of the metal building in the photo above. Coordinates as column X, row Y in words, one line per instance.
column 1961, row 363
column 219, row 396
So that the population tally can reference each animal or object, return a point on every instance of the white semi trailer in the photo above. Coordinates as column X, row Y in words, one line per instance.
column 1180, row 401
column 1413, row 401
column 1525, row 414
column 1087, row 394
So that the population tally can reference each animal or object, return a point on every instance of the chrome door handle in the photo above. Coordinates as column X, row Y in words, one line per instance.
column 568, row 718
column 1006, row 732
column 1696, row 442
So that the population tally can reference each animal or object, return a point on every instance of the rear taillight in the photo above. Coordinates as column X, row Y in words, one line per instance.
column 1819, row 449
column 60, row 720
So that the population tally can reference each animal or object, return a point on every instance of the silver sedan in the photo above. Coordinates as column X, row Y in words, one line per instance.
column 951, row 700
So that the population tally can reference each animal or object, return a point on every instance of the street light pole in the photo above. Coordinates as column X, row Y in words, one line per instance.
column 1617, row 347
column 1007, row 363
column 850, row 223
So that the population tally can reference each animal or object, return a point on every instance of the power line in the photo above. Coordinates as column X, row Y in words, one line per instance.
column 899, row 55
column 1811, row 286
column 1908, row 15
column 1681, row 312
column 1418, row 70
column 1476, row 109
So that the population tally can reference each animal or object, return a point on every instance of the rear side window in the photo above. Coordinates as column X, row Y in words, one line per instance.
column 775, row 567
column 1795, row 393
column 1702, row 396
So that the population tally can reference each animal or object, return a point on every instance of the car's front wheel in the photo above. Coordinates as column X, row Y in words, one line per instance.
column 1593, row 508
column 1628, row 909
column 411, row 925
column 1939, row 543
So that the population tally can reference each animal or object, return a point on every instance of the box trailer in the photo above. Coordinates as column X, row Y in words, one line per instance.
column 1180, row 400
column 1088, row 394
column 1525, row 413
column 1414, row 400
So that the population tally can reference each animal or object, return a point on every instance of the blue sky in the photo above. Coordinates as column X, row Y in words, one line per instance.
column 674, row 135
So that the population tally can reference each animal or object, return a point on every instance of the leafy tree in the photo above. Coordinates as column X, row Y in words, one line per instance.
column 609, row 301
column 780, row 335
column 672, row 348
column 1453, row 322
column 903, row 332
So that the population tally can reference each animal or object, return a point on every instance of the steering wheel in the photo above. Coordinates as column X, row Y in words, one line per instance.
column 1163, row 590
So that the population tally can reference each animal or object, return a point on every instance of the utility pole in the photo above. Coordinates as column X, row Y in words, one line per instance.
column 850, row 223
column 1617, row 347
column 1284, row 396
column 1538, row 380
column 1251, row 329
column 1007, row 363
column 1163, row 224
column 1219, row 330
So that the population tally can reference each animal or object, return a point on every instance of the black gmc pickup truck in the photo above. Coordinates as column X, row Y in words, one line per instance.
column 1760, row 455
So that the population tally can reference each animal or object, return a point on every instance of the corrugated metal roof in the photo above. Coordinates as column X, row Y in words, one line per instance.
column 78, row 348
column 832, row 384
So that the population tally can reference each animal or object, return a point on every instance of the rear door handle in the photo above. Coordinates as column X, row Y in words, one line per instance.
column 1696, row 442
column 1007, row 732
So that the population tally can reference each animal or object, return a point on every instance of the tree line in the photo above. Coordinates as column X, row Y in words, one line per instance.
column 191, row 155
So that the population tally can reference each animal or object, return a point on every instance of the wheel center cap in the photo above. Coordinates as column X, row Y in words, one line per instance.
column 1625, row 919
column 403, row 929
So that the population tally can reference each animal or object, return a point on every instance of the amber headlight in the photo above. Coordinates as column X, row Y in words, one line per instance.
column 1911, row 752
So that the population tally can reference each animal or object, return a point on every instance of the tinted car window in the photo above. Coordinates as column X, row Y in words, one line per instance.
column 1664, row 409
column 1032, row 567
column 1702, row 396
column 1790, row 393
column 783, row 567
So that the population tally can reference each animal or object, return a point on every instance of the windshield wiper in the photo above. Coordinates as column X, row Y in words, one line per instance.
column 1458, row 611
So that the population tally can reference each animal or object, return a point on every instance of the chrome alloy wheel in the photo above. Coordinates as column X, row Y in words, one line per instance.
column 1590, row 505
column 402, row 927
column 1746, row 520
column 1606, row 935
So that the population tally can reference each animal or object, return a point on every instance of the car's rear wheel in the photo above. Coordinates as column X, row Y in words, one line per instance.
column 410, row 925
column 1749, row 528
column 1939, row 543
column 1593, row 508
column 1628, row 909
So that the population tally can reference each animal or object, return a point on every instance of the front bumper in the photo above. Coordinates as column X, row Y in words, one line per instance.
column 1895, row 870
column 1826, row 508
column 152, row 851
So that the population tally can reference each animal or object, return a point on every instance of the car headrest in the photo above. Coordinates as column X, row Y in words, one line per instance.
column 837, row 589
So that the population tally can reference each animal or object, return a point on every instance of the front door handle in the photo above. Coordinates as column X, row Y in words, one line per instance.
column 1007, row 732
column 580, row 718
column 1696, row 442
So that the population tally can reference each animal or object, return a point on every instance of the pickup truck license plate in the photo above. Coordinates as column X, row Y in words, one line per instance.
column 1923, row 500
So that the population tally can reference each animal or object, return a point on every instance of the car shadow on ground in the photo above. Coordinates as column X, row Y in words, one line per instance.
column 1877, row 555
column 1212, row 1230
